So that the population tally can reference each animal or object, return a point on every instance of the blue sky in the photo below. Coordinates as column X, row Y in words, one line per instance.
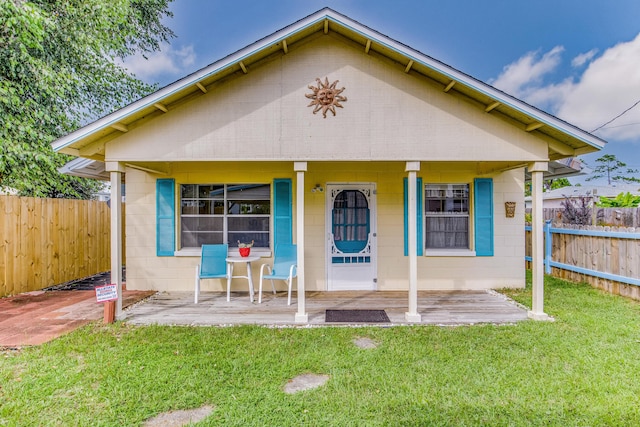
column 577, row 59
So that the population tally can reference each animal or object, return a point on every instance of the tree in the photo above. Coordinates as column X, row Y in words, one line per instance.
column 58, row 70
column 548, row 185
column 612, row 168
column 554, row 184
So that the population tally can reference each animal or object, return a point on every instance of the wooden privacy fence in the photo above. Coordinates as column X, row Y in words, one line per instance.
column 605, row 257
column 45, row 242
column 614, row 217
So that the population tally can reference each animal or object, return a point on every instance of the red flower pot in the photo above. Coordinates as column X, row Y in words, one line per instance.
column 244, row 251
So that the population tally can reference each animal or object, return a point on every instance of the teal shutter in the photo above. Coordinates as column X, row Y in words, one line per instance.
column 282, row 212
column 165, row 217
column 419, row 216
column 483, row 216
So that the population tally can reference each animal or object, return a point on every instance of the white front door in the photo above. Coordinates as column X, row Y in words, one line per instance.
column 351, row 236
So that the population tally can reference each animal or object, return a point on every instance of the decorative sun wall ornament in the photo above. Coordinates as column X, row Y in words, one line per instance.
column 325, row 97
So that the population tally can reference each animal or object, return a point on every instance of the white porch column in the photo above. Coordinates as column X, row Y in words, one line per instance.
column 537, row 242
column 412, row 315
column 300, row 168
column 116, row 170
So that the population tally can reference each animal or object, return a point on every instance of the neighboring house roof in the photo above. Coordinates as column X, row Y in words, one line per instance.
column 592, row 190
column 564, row 139
column 554, row 198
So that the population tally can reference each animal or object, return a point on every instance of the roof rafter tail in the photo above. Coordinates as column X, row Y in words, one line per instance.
column 492, row 106
column 91, row 149
column 449, row 86
column 561, row 148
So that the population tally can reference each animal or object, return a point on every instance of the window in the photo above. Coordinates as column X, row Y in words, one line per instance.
column 446, row 216
column 224, row 213
column 443, row 227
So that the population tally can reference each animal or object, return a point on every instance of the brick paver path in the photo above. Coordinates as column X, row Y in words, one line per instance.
column 34, row 318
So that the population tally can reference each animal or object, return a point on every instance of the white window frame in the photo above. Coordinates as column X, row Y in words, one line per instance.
column 225, row 216
column 448, row 251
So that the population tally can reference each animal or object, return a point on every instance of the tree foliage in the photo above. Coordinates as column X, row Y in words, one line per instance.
column 554, row 184
column 614, row 170
column 548, row 185
column 58, row 70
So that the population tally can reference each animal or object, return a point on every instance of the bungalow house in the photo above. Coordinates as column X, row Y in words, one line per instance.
column 389, row 169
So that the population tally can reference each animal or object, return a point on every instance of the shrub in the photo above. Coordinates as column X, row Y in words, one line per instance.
column 577, row 210
column 622, row 200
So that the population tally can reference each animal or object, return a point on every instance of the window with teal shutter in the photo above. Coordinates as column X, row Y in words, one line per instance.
column 418, row 216
column 447, row 221
column 213, row 214
column 483, row 216
column 282, row 212
column 165, row 217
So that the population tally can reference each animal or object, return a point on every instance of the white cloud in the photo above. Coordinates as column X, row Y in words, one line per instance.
column 549, row 97
column 519, row 77
column 609, row 85
column 166, row 61
column 583, row 58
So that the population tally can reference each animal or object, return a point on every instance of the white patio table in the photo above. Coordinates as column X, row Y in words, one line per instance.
column 239, row 259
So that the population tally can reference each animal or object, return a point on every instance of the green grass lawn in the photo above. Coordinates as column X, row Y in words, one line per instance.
column 581, row 370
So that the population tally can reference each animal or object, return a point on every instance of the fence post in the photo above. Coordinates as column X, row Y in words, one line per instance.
column 548, row 246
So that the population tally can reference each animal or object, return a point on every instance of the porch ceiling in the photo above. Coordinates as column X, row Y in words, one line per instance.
column 95, row 169
column 564, row 139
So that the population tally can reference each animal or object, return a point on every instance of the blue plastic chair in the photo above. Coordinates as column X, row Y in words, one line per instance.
column 284, row 268
column 213, row 265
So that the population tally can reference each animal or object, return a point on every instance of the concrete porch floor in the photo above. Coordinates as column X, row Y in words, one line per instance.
column 435, row 307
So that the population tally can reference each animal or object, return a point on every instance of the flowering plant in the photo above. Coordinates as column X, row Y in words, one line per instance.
column 245, row 245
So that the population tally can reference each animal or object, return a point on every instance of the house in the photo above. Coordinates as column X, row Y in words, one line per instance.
column 8, row 191
column 389, row 169
column 554, row 199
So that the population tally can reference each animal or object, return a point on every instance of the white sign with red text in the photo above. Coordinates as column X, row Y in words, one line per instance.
column 107, row 292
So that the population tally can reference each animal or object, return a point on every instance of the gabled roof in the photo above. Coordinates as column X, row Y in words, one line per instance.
column 563, row 138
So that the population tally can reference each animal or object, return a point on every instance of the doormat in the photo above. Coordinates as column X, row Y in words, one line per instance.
column 357, row 316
